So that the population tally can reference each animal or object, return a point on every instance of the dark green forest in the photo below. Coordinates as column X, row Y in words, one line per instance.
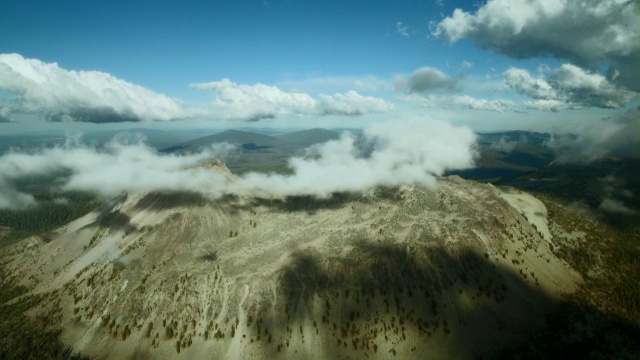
column 51, row 211
column 34, row 337
column 25, row 337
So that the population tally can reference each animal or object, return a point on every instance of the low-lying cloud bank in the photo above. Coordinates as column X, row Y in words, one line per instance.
column 121, row 165
column 504, row 145
column 406, row 152
column 615, row 195
column 5, row 113
column 90, row 96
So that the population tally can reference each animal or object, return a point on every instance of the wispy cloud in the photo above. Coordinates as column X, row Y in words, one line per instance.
column 5, row 113
column 468, row 102
column 615, row 195
column 503, row 145
column 548, row 105
column 459, row 102
column 352, row 104
column 616, row 135
column 402, row 29
column 367, row 83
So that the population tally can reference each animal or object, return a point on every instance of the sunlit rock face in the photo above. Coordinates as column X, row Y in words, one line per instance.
column 408, row 272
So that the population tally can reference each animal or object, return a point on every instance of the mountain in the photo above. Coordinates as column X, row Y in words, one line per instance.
column 506, row 156
column 519, row 136
column 462, row 270
column 233, row 137
column 308, row 137
column 254, row 141
column 158, row 139
column 258, row 152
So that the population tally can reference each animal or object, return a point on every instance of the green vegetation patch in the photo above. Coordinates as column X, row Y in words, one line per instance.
column 24, row 337
column 52, row 210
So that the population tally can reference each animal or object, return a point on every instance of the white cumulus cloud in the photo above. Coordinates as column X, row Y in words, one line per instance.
column 587, row 88
column 426, row 80
column 568, row 84
column 586, row 32
column 352, row 103
column 468, row 102
column 404, row 152
column 90, row 96
column 255, row 102
column 524, row 83
column 260, row 101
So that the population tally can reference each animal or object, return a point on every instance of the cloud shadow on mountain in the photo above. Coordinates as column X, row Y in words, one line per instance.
column 382, row 290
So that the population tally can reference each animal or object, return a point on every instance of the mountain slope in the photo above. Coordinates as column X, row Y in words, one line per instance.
column 408, row 272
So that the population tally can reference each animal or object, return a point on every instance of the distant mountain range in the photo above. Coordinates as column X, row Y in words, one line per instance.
column 258, row 152
column 255, row 141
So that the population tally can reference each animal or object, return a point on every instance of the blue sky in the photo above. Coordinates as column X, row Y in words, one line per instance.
column 165, row 45
column 452, row 66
